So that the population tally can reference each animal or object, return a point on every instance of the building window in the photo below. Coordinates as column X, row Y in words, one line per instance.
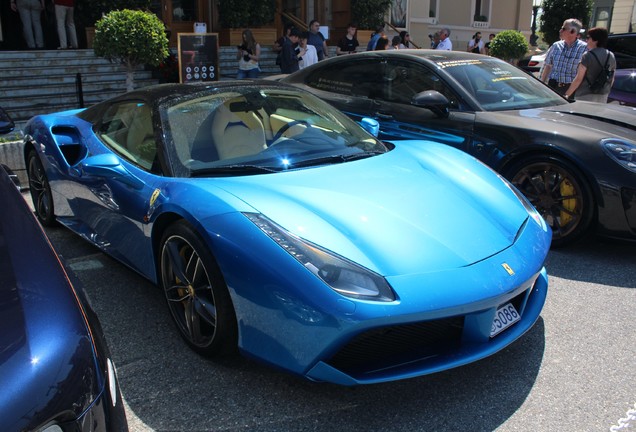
column 602, row 17
column 482, row 10
column 433, row 8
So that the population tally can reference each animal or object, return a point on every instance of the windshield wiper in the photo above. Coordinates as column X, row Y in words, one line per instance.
column 333, row 159
column 234, row 169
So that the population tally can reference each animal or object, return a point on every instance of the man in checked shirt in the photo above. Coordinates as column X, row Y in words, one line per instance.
column 564, row 56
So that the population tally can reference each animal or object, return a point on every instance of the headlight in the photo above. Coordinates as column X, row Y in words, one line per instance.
column 342, row 275
column 622, row 152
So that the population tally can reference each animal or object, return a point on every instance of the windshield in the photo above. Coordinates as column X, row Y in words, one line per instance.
column 260, row 130
column 499, row 86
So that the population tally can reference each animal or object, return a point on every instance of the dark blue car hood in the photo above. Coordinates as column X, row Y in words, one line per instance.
column 45, row 344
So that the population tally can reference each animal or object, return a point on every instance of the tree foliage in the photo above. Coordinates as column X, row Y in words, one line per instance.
column 557, row 11
column 132, row 38
column 246, row 13
column 509, row 45
column 369, row 14
column 87, row 12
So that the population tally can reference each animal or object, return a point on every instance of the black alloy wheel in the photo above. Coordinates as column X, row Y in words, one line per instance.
column 40, row 190
column 559, row 192
column 196, row 293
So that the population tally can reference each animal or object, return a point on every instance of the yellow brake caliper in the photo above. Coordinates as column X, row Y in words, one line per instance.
column 567, row 189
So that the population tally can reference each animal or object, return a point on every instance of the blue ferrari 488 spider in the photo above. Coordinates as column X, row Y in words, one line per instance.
column 276, row 225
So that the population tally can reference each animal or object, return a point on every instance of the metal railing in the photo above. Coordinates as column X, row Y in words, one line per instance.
column 398, row 32
column 79, row 91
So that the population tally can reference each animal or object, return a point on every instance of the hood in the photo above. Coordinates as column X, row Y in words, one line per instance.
column 604, row 120
column 406, row 211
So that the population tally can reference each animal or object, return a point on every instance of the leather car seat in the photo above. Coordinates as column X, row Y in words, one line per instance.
column 236, row 136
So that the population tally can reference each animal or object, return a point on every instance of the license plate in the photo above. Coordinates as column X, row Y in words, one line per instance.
column 506, row 316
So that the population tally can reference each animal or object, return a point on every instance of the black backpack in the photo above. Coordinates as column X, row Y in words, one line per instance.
column 604, row 76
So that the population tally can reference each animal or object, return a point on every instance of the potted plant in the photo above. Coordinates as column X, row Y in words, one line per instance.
column 509, row 45
column 237, row 15
column 132, row 38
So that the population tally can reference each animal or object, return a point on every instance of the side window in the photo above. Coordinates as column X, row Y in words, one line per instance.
column 404, row 79
column 127, row 129
column 363, row 78
column 624, row 49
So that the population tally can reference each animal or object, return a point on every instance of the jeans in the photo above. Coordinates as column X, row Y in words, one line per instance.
column 30, row 11
column 249, row 73
column 65, row 26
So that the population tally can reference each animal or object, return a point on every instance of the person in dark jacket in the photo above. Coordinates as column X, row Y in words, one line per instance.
column 289, row 56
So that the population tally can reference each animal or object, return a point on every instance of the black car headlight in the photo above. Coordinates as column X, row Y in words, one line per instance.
column 342, row 275
column 622, row 152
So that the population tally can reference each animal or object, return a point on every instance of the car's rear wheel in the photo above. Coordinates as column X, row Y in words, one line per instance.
column 559, row 192
column 196, row 293
column 40, row 190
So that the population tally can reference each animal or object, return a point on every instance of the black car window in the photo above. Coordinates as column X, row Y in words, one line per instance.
column 624, row 49
column 404, row 79
column 127, row 128
column 360, row 78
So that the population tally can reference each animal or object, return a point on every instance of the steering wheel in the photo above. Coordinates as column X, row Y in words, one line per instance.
column 286, row 127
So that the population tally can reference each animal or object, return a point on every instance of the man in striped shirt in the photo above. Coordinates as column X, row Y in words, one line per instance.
column 564, row 56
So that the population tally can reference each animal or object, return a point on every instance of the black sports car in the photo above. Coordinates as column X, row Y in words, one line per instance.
column 576, row 161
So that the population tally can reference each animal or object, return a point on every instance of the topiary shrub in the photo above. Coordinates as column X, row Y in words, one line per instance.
column 132, row 38
column 509, row 45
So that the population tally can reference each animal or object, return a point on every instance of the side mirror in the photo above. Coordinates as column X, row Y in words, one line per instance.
column 108, row 166
column 370, row 125
column 6, row 124
column 433, row 100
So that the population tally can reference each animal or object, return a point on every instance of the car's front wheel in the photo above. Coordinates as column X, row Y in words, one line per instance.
column 40, row 190
column 196, row 293
column 559, row 192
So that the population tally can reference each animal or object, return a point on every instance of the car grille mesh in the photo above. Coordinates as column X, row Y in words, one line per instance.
column 388, row 347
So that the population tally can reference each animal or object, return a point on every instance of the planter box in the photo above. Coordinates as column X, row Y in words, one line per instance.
column 90, row 35
column 233, row 37
column 11, row 156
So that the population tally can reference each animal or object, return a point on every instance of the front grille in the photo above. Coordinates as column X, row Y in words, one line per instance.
column 387, row 347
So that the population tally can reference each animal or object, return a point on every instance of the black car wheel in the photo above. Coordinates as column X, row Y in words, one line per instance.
column 196, row 292
column 40, row 190
column 559, row 192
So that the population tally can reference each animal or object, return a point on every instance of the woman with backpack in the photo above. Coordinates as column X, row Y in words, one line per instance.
column 595, row 73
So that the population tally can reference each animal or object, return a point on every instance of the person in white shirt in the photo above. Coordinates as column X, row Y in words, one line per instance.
column 476, row 44
column 307, row 54
column 444, row 41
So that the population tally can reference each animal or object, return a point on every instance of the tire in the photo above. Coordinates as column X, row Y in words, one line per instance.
column 559, row 192
column 40, row 190
column 196, row 293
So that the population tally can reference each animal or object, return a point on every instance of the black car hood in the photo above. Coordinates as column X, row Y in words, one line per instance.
column 582, row 122
column 602, row 119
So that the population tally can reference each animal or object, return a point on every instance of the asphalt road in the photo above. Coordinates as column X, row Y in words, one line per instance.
column 573, row 371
